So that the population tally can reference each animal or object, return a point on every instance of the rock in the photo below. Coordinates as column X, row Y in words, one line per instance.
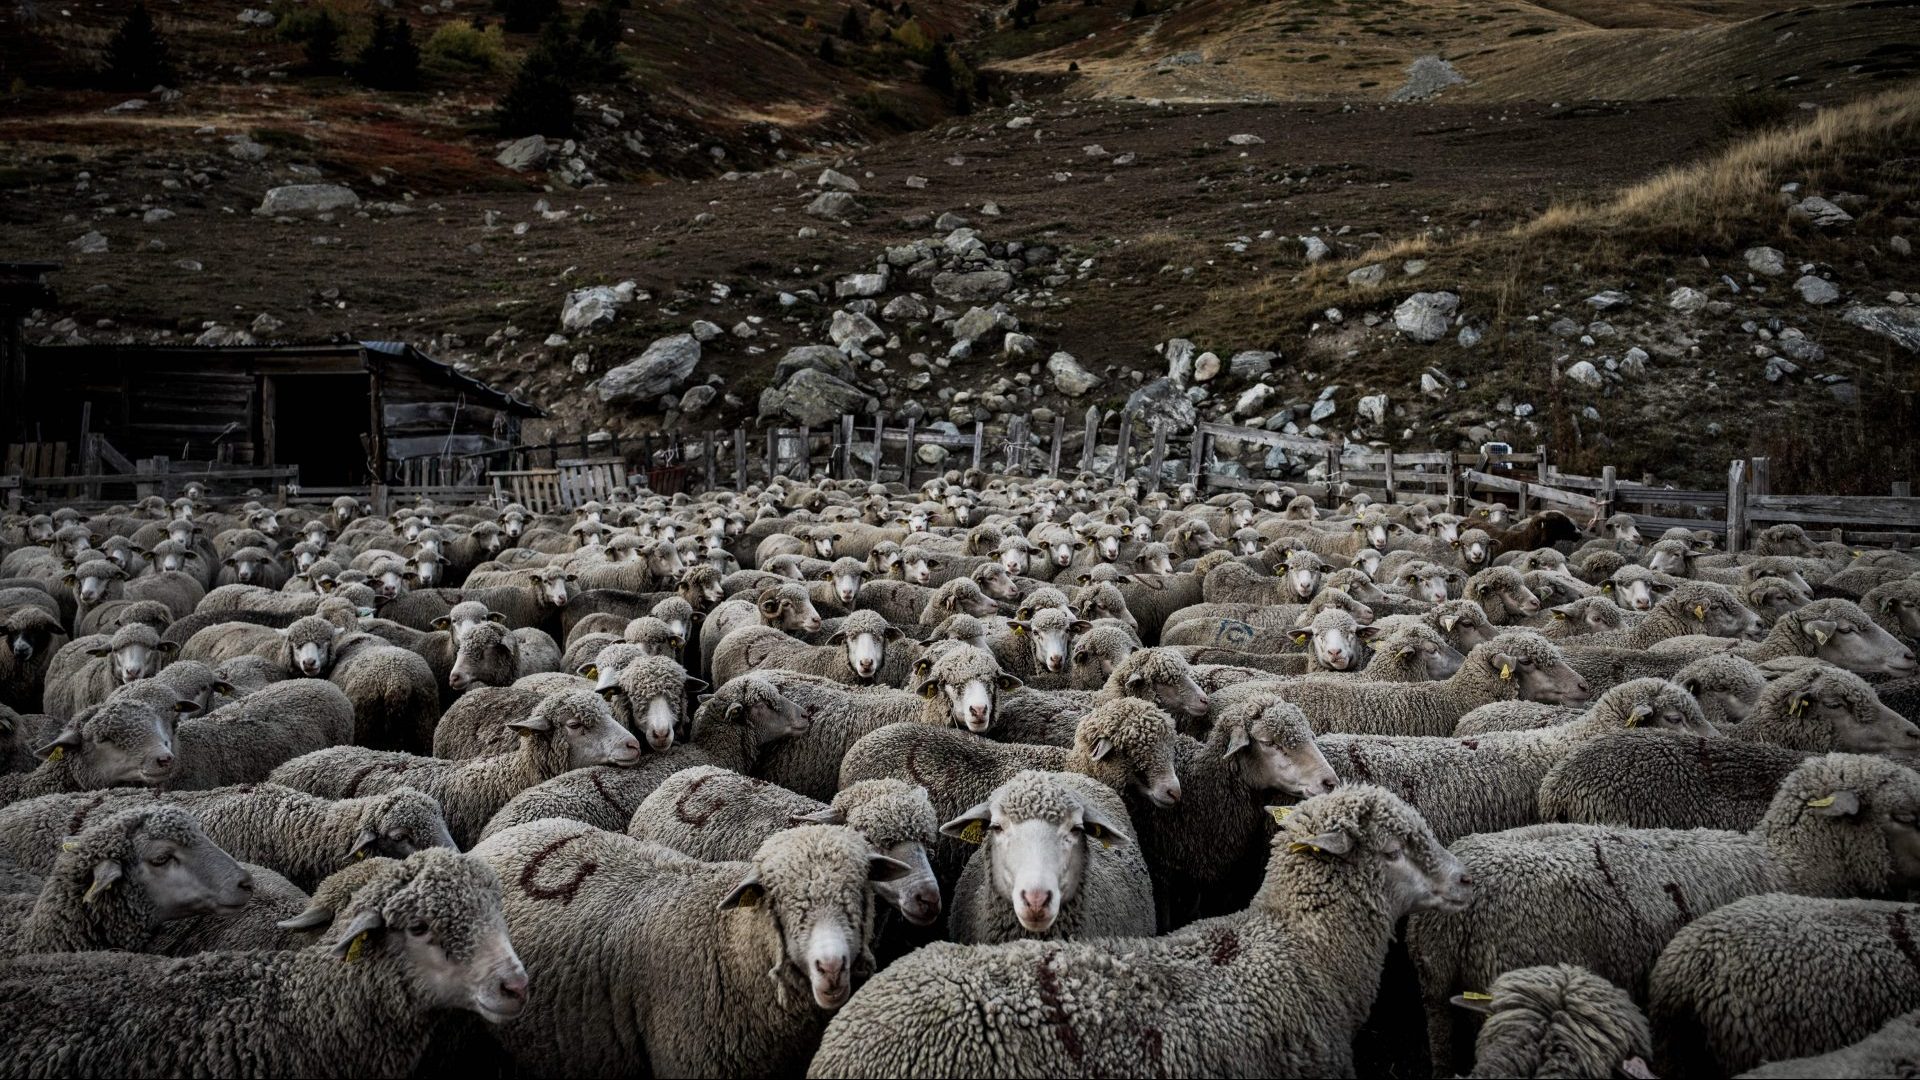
column 1426, row 77
column 949, row 221
column 1373, row 409
column 1322, row 409
column 704, row 331
column 905, row 309
column 815, row 398
column 156, row 215
column 523, row 154
column 665, row 365
column 590, row 307
column 1251, row 364
column 1316, row 248
column 1020, row 347
column 1586, row 375
column 834, row 180
column 1206, row 367
column 1900, row 325
column 916, row 182
column 1252, row 399
column 1564, row 327
column 265, row 324
column 1820, row 212
column 1069, row 377
column 1368, row 277
column 698, row 398
column 244, row 149
column 1767, row 261
column 257, row 17
column 90, row 243
column 1900, row 246
column 1469, row 337
column 1413, row 267
column 1635, row 362
column 1434, row 384
column 1163, row 401
column 306, row 199
column 974, row 287
column 1019, row 122
column 1609, row 300
column 1425, row 316
column 1816, row 290
column 850, row 327
column 1686, row 300
column 932, row 454
column 975, row 324
column 1797, row 345
column 1779, row 367
column 224, row 335
column 1244, row 139
column 860, row 285
column 836, row 205
column 824, row 357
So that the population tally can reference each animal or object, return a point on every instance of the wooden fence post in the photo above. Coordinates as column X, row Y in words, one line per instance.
column 1609, row 489
column 1386, row 464
column 773, row 453
column 979, row 442
column 1016, row 442
column 879, row 442
column 1760, row 476
column 710, row 452
column 806, row 453
column 1092, row 442
column 1158, row 457
column 1737, row 506
column 1059, row 441
column 1120, row 448
column 740, row 459
column 907, row 460
column 1197, row 456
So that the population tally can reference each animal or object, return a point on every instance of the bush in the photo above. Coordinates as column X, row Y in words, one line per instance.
column 912, row 36
column 322, row 44
column 827, row 52
column 390, row 60
column 1755, row 110
column 853, row 27
column 136, row 56
column 463, row 47
column 540, row 101
column 599, row 37
column 526, row 16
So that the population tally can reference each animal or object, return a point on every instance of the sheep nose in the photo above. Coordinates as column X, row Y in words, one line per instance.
column 514, row 987
column 1328, row 783
column 1173, row 793
column 1036, row 900
column 978, row 712
column 245, row 882
column 163, row 761
column 830, row 967
column 457, row 681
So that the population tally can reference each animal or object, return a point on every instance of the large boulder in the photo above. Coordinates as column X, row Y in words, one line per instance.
column 974, row 287
column 836, row 205
column 591, row 306
column 660, row 370
column 1425, row 316
column 822, row 357
column 523, row 154
column 306, row 199
column 1426, row 77
column 1901, row 325
column 852, row 327
column 1069, row 377
column 1163, row 402
column 835, row 180
column 816, row 399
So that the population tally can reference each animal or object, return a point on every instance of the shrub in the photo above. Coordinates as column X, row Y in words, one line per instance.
column 463, row 47
column 540, row 101
column 527, row 16
column 827, row 52
column 853, row 27
column 1755, row 110
column 912, row 36
column 599, row 37
column 390, row 60
column 322, row 45
column 136, row 56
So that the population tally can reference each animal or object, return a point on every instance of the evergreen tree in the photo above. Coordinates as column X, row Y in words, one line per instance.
column 390, row 60
column 322, row 47
column 599, row 36
column 1140, row 10
column 1024, row 12
column 526, row 16
column 540, row 101
column 939, row 73
column 827, row 51
column 853, row 27
column 136, row 57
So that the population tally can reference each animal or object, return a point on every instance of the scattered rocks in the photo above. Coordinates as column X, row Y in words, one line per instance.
column 697, row 398
column 306, row 199
column 523, row 154
column 836, row 205
column 89, row 243
column 1586, row 375
column 853, row 328
column 1251, row 364
column 1819, row 212
column 815, row 398
column 972, row 287
column 1019, row 122
column 1252, row 399
column 1816, row 290
column 1069, row 377
column 1368, row 277
column 242, row 148
column 1245, row 139
column 257, row 17
column 1766, row 261
column 860, row 285
column 833, row 180
column 663, row 366
column 1164, row 402
column 1608, row 300
column 1900, row 325
column 1426, row 77
column 1686, row 300
column 1316, row 248
column 1425, row 316
column 1372, row 409
column 1206, row 367
column 592, row 306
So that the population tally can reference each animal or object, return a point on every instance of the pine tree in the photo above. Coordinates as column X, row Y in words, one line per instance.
column 540, row 101
column 853, row 27
column 1024, row 12
column 390, row 60
column 827, row 51
column 939, row 74
column 1140, row 10
column 599, row 36
column 136, row 57
column 526, row 16
column 322, row 47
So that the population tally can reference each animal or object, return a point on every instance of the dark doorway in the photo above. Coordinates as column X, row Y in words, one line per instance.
column 320, row 424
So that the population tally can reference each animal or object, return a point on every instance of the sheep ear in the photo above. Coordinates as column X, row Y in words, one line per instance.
column 1008, row 682
column 839, row 637
column 1102, row 748
column 105, row 873
column 361, row 843
column 1301, row 637
column 1336, row 842
column 894, row 633
column 1018, row 627
column 1502, row 663
column 1448, row 622
column 315, row 917
column 1839, row 804
column 527, row 725
column 1821, row 629
column 354, row 938
column 101, row 650
column 442, row 623
column 880, row 868
column 1634, row 1068
column 1368, row 632
column 927, row 689
column 1237, row 740
column 970, row 826
column 168, row 647
column 1639, row 714
column 747, row 894
column 1079, row 626
column 1473, row 1001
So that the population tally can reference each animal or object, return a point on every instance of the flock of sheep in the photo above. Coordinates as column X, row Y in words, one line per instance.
column 996, row 777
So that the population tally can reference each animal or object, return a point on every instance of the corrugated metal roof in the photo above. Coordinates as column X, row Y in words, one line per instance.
column 413, row 355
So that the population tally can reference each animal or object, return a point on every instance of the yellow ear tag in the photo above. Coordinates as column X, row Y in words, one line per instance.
column 69, row 845
column 1019, row 630
column 1506, row 671
column 1300, row 639
column 974, row 832
column 1559, row 614
column 1820, row 804
column 97, row 888
column 1475, row 995
column 592, row 672
column 360, row 854
column 358, row 947
column 1699, row 611
column 1794, row 707
column 1280, row 813
column 59, row 752
column 1308, row 848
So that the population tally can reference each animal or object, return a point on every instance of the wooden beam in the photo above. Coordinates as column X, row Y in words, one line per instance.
column 1737, row 506
column 1092, row 441
column 1760, row 481
column 1059, row 441
column 979, row 442
column 1120, row 449
column 1158, row 457
column 879, row 441
column 907, row 461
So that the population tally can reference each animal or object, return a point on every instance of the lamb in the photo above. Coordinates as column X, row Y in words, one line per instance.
column 1489, row 782
column 302, row 836
column 302, row 1012
column 724, row 969
column 856, row 654
column 121, row 877
column 1729, row 991
column 1823, row 834
column 717, row 815
column 1057, row 860
column 570, row 731
column 87, row 669
column 1279, row 990
column 1517, row 664
column 1558, row 1020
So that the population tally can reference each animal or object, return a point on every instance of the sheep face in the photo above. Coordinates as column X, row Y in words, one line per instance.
column 443, row 919
column 772, row 715
column 917, row 567
column 1337, row 641
column 425, row 571
column 1904, row 612
column 1060, row 548
column 1303, row 574
column 93, row 581
column 1669, row 557
column 1846, row 638
column 486, row 655
column 169, row 858
column 1158, row 559
column 1108, row 653
column 401, row 823
column 1050, row 638
column 813, row 885
column 866, row 648
column 586, row 723
column 1037, row 847
column 789, row 609
column 1014, row 559
column 884, row 558
column 134, row 656
column 1848, row 706
column 1540, row 673
column 124, row 742
column 1386, row 837
column 1427, row 652
column 994, row 581
column 649, row 696
column 309, row 643
column 1273, row 747
column 552, row 588
column 972, row 695
column 29, row 632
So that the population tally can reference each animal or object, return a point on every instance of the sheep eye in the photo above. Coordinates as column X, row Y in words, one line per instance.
column 997, row 827
column 1846, row 629
column 161, row 859
column 420, row 929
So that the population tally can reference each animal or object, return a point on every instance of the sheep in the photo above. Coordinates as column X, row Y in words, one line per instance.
column 1056, row 860
column 1660, row 780
column 649, row 696
column 302, row 836
column 1238, row 583
column 1823, row 834
column 1558, row 1020
column 87, row 669
column 1127, row 745
column 1159, row 675
column 427, row 935
column 1731, row 990
column 30, row 636
column 1820, row 708
column 856, row 654
column 1489, row 782
column 121, row 877
column 1279, row 990
column 396, row 701
column 1503, row 594
column 717, row 815
column 254, row 924
column 488, row 654
column 1517, row 664
column 784, row 607
column 478, row 723
column 723, row 969
column 121, row 742
column 1039, row 645
column 244, row 741
column 567, row 732
column 732, row 729
column 1895, row 606
column 1836, row 631
column 1588, row 615
column 1886, row 1052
